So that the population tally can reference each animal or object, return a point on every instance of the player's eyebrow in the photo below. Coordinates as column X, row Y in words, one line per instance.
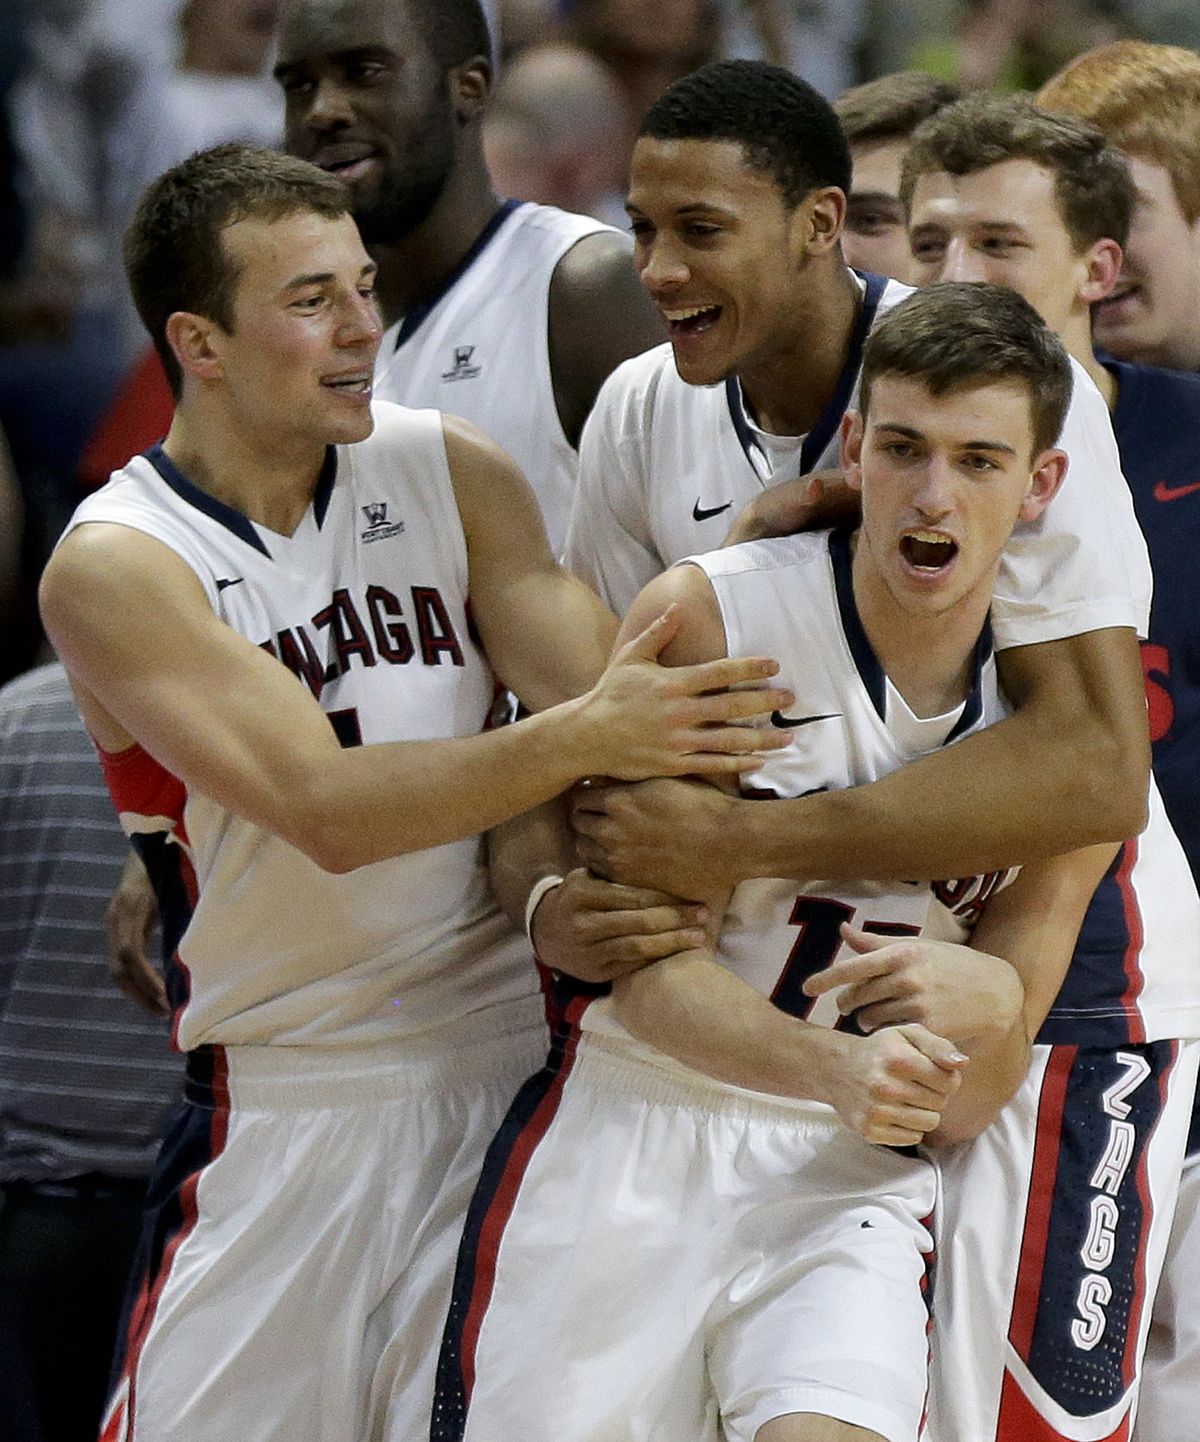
column 323, row 277
column 895, row 428
column 342, row 58
column 872, row 197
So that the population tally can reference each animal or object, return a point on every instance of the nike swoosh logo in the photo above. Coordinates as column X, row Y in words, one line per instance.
column 779, row 719
column 236, row 581
column 703, row 513
column 1163, row 492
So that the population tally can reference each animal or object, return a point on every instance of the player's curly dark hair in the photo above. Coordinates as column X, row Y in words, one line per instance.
column 784, row 127
column 1092, row 183
column 174, row 257
column 961, row 334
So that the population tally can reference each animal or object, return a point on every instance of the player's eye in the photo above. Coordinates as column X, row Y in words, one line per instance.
column 928, row 251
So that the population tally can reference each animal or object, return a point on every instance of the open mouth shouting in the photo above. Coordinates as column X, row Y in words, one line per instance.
column 928, row 553
column 356, row 385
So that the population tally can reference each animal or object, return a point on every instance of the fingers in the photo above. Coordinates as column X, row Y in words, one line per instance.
column 852, row 971
column 740, row 705
column 137, row 978
column 719, row 675
column 942, row 1053
column 722, row 750
column 863, row 941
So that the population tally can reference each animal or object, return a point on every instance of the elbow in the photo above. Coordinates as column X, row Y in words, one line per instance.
column 1115, row 780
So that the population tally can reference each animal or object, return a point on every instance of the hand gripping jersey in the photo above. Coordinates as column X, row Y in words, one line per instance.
column 664, row 468
column 792, row 598
column 366, row 603
column 478, row 348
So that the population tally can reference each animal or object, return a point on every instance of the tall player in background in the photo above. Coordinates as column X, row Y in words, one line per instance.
column 355, row 1010
column 998, row 190
column 510, row 314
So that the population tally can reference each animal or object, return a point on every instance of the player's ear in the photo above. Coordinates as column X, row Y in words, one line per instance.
column 851, row 448
column 471, row 88
column 190, row 336
column 817, row 221
column 1103, row 261
column 1049, row 471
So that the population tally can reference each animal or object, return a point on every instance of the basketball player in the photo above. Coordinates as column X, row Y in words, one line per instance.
column 998, row 190
column 737, row 200
column 355, row 1011
column 506, row 313
column 692, row 1258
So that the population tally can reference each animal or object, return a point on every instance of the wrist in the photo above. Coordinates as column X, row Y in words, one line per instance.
column 537, row 895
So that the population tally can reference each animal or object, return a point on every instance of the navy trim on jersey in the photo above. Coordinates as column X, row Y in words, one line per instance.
column 190, row 492
column 416, row 314
column 830, row 418
column 871, row 673
column 325, row 484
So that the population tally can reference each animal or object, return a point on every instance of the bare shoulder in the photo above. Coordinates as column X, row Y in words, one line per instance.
column 701, row 631
column 599, row 316
column 500, row 516
column 102, row 567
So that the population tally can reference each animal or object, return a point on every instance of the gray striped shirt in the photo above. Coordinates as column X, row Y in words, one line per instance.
column 86, row 1077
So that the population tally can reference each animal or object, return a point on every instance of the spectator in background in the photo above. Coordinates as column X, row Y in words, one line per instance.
column 86, row 1082
column 878, row 119
column 559, row 132
column 646, row 47
column 816, row 39
column 1146, row 100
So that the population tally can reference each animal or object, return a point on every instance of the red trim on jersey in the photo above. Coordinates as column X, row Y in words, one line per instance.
column 496, row 1218
column 1129, row 1363
column 1131, row 965
column 1020, row 1421
column 151, row 1289
column 139, row 784
column 1040, row 1200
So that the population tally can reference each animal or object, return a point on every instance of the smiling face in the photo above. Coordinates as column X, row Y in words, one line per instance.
column 365, row 100
column 295, row 367
column 943, row 479
column 875, row 237
column 720, row 253
column 1151, row 314
column 1001, row 224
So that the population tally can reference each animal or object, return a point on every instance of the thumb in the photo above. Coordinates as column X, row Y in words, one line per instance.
column 863, row 941
column 940, row 1051
column 648, row 645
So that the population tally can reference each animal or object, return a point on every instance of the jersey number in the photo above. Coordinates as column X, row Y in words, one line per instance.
column 819, row 919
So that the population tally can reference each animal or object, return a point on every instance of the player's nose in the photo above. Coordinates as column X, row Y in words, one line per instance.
column 661, row 268
column 962, row 262
column 329, row 105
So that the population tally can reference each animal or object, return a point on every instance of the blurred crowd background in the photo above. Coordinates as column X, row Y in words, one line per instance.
column 98, row 96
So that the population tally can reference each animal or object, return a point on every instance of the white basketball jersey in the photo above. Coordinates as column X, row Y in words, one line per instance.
column 792, row 599
column 665, row 467
column 479, row 348
column 366, row 603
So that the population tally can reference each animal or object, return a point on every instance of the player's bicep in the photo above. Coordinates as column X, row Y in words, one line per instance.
column 546, row 635
column 700, row 633
column 154, row 664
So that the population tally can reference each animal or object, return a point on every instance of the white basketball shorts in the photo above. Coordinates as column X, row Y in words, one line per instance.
column 653, row 1257
column 299, row 1243
column 1051, row 1234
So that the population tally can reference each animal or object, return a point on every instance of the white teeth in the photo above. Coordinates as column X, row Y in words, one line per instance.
column 687, row 314
column 930, row 537
column 358, row 384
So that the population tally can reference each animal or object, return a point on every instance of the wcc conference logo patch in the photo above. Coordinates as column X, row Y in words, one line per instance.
column 379, row 528
column 462, row 369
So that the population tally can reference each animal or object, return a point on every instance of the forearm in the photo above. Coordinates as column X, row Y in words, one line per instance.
column 1010, row 794
column 525, row 849
column 996, row 1069
column 695, row 1010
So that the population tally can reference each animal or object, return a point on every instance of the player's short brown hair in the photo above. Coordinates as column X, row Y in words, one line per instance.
column 1091, row 178
column 1146, row 100
column 174, row 257
column 958, row 335
column 891, row 107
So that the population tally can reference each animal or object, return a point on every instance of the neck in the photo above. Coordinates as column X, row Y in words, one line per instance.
column 788, row 389
column 927, row 658
column 270, row 479
column 415, row 266
column 1076, row 335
